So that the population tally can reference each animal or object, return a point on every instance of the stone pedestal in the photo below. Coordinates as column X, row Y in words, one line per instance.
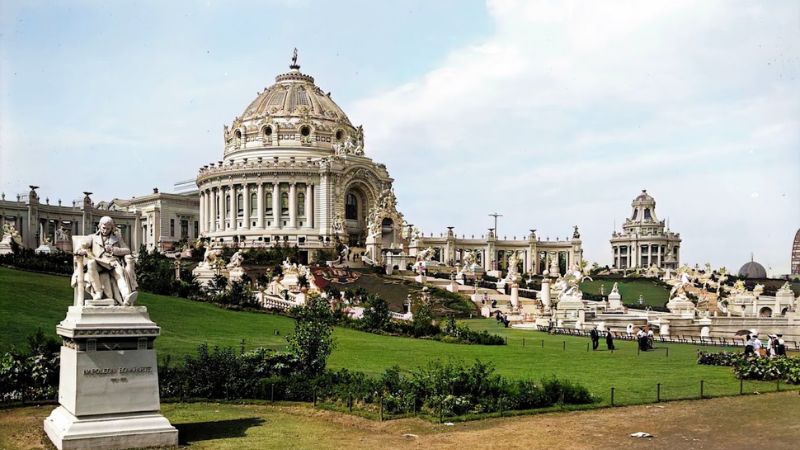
column 515, row 296
column 614, row 301
column 205, row 274
column 235, row 274
column 5, row 247
column 45, row 249
column 681, row 306
column 108, row 386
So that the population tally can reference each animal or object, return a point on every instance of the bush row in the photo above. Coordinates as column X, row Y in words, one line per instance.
column 438, row 389
column 748, row 367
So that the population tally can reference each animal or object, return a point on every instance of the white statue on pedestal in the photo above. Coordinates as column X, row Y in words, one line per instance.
column 107, row 259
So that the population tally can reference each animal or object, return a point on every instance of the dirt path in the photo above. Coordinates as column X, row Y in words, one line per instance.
column 750, row 422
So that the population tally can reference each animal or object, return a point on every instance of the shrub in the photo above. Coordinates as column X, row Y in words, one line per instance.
column 312, row 340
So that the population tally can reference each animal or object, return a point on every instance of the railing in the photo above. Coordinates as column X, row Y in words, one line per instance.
column 678, row 339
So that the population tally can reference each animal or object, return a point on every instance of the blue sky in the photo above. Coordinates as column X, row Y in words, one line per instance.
column 552, row 113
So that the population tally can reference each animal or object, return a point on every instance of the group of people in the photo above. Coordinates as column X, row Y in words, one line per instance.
column 502, row 318
column 595, row 336
column 776, row 346
column 645, row 338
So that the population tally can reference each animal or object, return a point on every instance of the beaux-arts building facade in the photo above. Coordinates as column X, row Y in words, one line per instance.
column 645, row 240
column 293, row 171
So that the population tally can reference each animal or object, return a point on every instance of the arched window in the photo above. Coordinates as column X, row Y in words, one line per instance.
column 635, row 213
column 301, row 204
column 351, row 207
column 253, row 203
column 239, row 204
column 647, row 215
column 284, row 203
column 269, row 202
column 228, row 202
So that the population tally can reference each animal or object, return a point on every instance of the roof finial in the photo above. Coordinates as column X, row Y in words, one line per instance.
column 294, row 64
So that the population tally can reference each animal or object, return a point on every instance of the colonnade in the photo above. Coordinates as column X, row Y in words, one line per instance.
column 639, row 255
column 281, row 205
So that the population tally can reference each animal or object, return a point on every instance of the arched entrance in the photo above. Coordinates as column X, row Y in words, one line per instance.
column 356, row 206
column 765, row 312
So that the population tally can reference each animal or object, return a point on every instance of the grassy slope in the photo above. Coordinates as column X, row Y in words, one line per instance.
column 653, row 294
column 29, row 300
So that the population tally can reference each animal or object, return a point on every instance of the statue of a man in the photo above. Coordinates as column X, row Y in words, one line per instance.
column 108, row 254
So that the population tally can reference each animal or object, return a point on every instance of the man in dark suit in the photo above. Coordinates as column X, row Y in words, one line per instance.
column 595, row 335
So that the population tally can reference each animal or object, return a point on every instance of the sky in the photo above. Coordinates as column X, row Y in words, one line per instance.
column 551, row 113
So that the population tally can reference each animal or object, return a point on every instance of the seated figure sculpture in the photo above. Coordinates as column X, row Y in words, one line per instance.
column 110, row 268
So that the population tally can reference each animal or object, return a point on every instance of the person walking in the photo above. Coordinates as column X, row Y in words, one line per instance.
column 757, row 346
column 609, row 339
column 780, row 349
column 650, row 338
column 748, row 346
column 595, row 335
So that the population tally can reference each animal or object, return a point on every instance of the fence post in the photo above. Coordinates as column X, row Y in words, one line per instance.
column 587, row 346
column 523, row 341
column 702, row 383
column 564, row 346
column 638, row 350
column 658, row 392
column 741, row 386
column 272, row 392
column 667, row 352
column 542, row 343
column 612, row 395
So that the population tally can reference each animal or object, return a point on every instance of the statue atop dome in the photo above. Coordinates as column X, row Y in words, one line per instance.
column 294, row 64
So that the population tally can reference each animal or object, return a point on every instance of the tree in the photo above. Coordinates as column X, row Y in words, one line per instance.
column 312, row 340
column 376, row 314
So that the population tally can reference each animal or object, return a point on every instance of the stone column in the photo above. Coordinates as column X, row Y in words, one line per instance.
column 246, row 206
column 260, row 206
column 136, row 233
column 232, row 212
column 223, row 208
column 214, row 203
column 293, row 204
column 309, row 211
column 202, row 211
column 276, row 204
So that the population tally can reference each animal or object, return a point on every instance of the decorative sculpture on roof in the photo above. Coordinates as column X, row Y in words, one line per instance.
column 576, row 234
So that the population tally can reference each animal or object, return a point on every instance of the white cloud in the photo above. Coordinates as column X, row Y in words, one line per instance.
column 570, row 108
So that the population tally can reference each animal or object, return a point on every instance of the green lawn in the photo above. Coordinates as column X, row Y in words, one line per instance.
column 652, row 293
column 29, row 300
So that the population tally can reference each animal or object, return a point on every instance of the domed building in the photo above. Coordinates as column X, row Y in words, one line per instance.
column 752, row 269
column 645, row 240
column 294, row 171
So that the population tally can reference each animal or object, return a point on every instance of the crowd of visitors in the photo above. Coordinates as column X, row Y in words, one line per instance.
column 775, row 346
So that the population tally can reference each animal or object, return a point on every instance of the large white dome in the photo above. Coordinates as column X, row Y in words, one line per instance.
column 293, row 117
